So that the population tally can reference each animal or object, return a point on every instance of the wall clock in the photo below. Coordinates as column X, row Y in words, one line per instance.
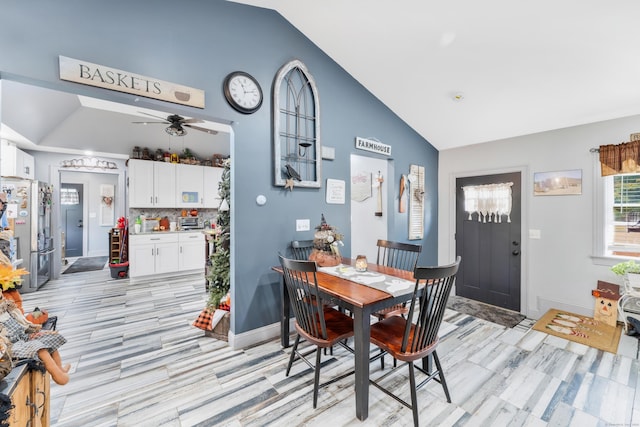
column 242, row 92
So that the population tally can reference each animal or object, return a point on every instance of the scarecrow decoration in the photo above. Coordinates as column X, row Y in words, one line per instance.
column 606, row 306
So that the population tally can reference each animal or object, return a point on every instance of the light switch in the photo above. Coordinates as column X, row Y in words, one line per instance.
column 303, row 225
column 534, row 234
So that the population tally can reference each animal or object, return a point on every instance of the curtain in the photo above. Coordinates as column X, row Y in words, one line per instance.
column 488, row 201
column 620, row 158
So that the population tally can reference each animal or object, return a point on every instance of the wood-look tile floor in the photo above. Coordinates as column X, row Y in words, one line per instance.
column 137, row 361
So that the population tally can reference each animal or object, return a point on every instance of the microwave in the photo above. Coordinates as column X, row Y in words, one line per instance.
column 190, row 223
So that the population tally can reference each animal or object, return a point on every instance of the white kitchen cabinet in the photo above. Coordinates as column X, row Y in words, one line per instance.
column 212, row 178
column 192, row 251
column 151, row 184
column 153, row 254
column 15, row 162
column 189, row 186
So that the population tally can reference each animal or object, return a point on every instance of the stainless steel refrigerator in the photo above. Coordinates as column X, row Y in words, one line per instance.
column 29, row 215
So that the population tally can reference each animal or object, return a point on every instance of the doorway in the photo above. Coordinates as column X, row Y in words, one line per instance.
column 490, row 251
column 366, row 226
column 71, row 214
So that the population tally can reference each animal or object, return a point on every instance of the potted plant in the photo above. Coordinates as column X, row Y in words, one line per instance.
column 630, row 272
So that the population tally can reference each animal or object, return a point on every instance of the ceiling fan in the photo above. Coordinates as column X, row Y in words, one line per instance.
column 177, row 124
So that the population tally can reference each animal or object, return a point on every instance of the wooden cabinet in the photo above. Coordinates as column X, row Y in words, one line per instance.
column 212, row 178
column 15, row 162
column 153, row 254
column 29, row 391
column 189, row 186
column 151, row 184
column 192, row 251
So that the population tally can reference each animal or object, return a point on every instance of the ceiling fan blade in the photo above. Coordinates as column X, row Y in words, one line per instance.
column 201, row 129
column 150, row 123
column 157, row 117
column 192, row 121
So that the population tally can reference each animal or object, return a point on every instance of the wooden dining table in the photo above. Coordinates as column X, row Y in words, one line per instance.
column 362, row 301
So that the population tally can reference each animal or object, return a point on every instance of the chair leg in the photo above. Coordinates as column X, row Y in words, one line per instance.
column 293, row 354
column 414, row 394
column 441, row 375
column 382, row 360
column 316, row 380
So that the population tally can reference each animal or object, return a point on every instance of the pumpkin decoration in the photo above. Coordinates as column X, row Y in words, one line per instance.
column 38, row 316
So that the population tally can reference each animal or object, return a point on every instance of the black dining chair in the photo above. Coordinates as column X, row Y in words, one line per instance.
column 301, row 249
column 319, row 324
column 403, row 256
column 415, row 338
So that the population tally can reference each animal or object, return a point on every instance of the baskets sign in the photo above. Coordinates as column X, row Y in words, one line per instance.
column 373, row 146
column 91, row 74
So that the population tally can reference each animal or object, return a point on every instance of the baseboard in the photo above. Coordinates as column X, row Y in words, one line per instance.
column 545, row 304
column 257, row 336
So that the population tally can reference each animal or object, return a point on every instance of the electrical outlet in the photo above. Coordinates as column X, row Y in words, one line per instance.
column 303, row 225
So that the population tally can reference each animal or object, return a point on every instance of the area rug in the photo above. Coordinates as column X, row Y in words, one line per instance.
column 489, row 312
column 580, row 329
column 87, row 264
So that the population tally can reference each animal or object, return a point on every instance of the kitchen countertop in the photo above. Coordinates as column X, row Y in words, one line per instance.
column 143, row 233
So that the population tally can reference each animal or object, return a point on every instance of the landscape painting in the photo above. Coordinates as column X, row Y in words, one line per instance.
column 559, row 183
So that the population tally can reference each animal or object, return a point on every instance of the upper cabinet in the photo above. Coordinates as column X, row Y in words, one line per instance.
column 151, row 184
column 190, row 186
column 169, row 185
column 15, row 162
column 212, row 178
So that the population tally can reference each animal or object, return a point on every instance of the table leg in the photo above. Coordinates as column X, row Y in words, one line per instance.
column 362, row 333
column 284, row 315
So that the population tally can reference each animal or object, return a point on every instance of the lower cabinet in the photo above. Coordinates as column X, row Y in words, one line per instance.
column 159, row 253
column 153, row 254
column 29, row 392
column 192, row 251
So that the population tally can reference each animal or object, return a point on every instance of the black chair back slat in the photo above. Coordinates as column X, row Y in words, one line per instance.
column 300, row 279
column 403, row 256
column 438, row 282
column 301, row 249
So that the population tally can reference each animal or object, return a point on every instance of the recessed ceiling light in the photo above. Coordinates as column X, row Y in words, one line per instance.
column 458, row 96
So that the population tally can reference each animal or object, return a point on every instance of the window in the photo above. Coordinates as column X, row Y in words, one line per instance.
column 622, row 215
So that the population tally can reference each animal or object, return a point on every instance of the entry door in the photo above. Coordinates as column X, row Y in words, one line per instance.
column 71, row 214
column 490, row 268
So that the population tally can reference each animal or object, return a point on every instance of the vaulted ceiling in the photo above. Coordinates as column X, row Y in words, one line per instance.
column 464, row 72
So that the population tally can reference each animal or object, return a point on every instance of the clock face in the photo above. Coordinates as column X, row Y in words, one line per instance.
column 243, row 92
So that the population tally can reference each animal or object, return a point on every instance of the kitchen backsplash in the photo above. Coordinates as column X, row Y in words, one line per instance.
column 172, row 213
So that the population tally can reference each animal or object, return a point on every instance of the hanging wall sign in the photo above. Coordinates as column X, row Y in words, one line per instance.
column 87, row 73
column 373, row 146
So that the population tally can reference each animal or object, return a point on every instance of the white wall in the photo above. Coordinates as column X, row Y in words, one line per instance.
column 557, row 269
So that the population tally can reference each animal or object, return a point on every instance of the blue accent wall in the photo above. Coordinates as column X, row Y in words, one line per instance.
column 197, row 43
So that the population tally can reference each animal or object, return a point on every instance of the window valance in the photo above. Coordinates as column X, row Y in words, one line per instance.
column 489, row 200
column 620, row 158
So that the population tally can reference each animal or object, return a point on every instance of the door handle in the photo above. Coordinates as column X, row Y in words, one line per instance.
column 516, row 252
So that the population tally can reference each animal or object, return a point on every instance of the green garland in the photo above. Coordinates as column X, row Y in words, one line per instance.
column 219, row 275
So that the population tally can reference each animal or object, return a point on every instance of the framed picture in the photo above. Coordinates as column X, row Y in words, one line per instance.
column 559, row 183
column 106, row 204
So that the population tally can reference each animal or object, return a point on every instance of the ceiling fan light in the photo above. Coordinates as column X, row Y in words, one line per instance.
column 174, row 130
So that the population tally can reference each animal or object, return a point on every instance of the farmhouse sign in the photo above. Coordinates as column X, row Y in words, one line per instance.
column 91, row 74
column 373, row 146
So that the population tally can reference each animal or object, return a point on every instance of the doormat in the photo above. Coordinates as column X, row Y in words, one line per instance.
column 580, row 329
column 491, row 313
column 87, row 264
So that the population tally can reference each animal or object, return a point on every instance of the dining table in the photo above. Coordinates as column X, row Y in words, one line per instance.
column 362, row 301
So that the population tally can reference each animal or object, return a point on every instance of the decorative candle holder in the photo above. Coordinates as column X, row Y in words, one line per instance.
column 361, row 263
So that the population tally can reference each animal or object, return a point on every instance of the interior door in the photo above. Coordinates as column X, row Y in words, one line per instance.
column 72, row 220
column 490, row 251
